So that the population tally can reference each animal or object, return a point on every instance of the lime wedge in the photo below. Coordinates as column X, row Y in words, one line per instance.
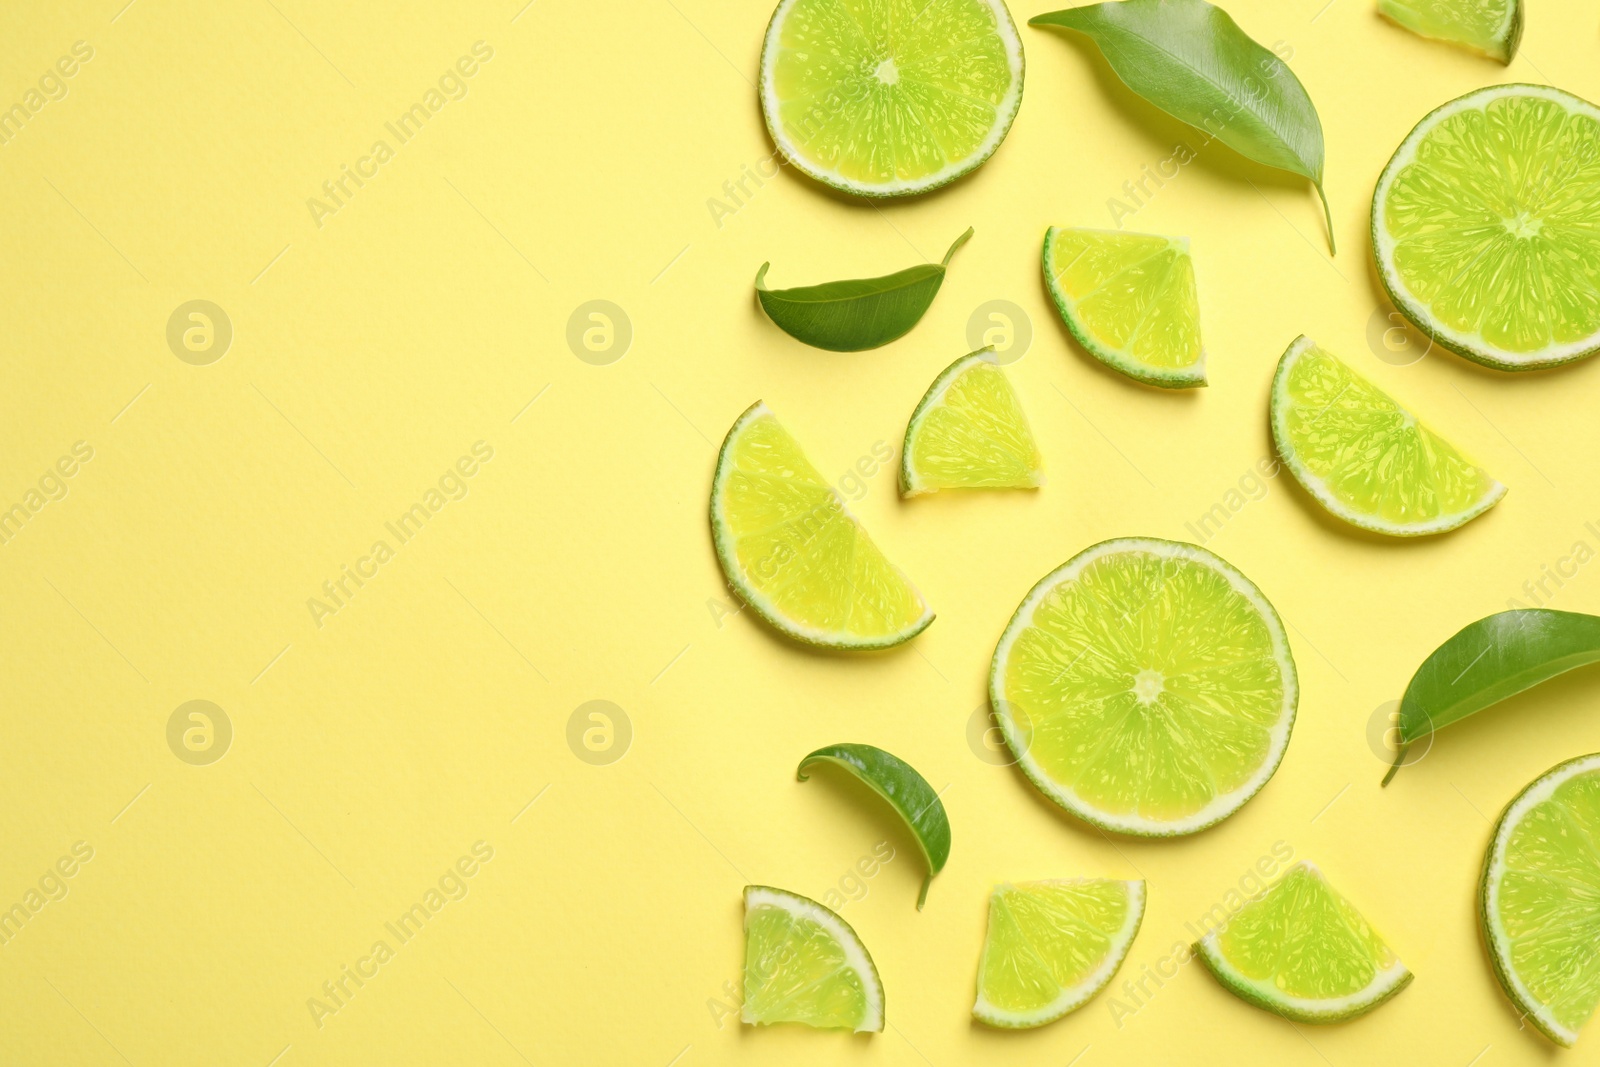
column 1493, row 27
column 791, row 550
column 1146, row 686
column 1540, row 901
column 1129, row 299
column 889, row 99
column 969, row 433
column 1303, row 951
column 1053, row 945
column 1363, row 456
column 1486, row 227
column 804, row 964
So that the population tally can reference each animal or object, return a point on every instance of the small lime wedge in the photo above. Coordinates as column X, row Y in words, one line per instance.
column 1540, row 900
column 1303, row 951
column 1130, row 300
column 1364, row 457
column 969, row 432
column 793, row 552
column 1053, row 945
column 804, row 964
column 907, row 792
column 1493, row 27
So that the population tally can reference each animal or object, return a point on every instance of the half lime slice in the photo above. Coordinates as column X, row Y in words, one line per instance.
column 889, row 99
column 1540, row 901
column 804, row 964
column 1493, row 27
column 791, row 550
column 969, row 432
column 1303, row 951
column 1129, row 299
column 1146, row 686
column 1053, row 945
column 1486, row 227
column 1363, row 456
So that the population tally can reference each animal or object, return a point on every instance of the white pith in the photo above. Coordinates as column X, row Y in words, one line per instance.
column 1074, row 996
column 1005, row 112
column 855, row 953
column 1318, row 488
column 1499, row 944
column 1384, row 244
column 1220, row 806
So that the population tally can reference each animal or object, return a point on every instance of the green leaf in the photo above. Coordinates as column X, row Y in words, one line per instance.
column 853, row 315
column 1193, row 61
column 907, row 791
column 1490, row 660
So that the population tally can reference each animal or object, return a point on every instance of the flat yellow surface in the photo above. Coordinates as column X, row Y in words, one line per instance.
column 380, row 739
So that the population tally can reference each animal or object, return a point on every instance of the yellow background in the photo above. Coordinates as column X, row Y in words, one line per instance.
column 371, row 352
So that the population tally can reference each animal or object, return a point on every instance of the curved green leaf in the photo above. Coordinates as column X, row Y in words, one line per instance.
column 858, row 314
column 1490, row 660
column 907, row 791
column 1193, row 61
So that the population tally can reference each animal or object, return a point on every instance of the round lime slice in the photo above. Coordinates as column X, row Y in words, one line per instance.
column 1302, row 950
column 1146, row 686
column 1053, row 945
column 1486, row 226
column 804, row 964
column 1129, row 299
column 1363, row 456
column 1493, row 27
column 889, row 99
column 969, row 432
column 791, row 550
column 1540, row 900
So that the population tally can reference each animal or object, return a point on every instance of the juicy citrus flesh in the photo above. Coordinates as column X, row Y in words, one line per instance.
column 804, row 964
column 884, row 97
column 1302, row 950
column 1130, row 299
column 1053, row 945
column 1489, row 26
column 1541, row 899
column 1487, row 226
column 1366, row 458
column 791, row 549
column 1146, row 686
column 969, row 432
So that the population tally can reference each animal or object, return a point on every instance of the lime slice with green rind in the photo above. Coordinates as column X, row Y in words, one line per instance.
column 1130, row 300
column 1146, row 686
column 969, row 432
column 1493, row 27
column 1051, row 946
column 792, row 551
column 1363, row 456
column 1540, row 899
column 907, row 792
column 1303, row 951
column 804, row 964
column 1486, row 227
column 890, row 97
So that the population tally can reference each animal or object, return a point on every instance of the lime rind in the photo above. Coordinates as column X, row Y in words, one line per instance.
column 1080, row 994
column 1005, row 114
column 727, row 556
column 1494, row 870
column 856, row 954
column 1188, row 377
column 1499, row 43
column 911, row 483
column 1222, row 805
column 1473, row 346
column 1385, row 983
column 1319, row 488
